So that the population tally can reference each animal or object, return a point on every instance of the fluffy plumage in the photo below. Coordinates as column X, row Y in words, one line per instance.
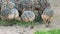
column 28, row 16
column 47, row 15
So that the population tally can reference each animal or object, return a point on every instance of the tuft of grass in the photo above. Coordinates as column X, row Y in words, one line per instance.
column 6, row 22
column 52, row 31
column 11, row 22
column 15, row 22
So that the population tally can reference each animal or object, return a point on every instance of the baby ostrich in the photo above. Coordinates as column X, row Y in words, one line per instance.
column 23, row 5
column 9, row 12
column 45, row 12
column 28, row 16
column 47, row 15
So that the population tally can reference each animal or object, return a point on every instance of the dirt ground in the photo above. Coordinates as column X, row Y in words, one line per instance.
column 55, row 4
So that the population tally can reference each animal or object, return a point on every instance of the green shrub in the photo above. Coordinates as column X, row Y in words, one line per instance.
column 52, row 31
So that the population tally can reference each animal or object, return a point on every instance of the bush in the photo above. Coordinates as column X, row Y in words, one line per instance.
column 52, row 31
